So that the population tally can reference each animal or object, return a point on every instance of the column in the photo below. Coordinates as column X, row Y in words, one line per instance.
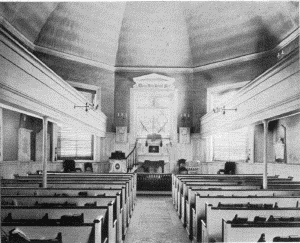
column 265, row 171
column 44, row 157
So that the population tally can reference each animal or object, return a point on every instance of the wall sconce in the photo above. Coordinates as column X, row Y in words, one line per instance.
column 185, row 117
column 87, row 106
column 280, row 54
column 222, row 109
column 122, row 117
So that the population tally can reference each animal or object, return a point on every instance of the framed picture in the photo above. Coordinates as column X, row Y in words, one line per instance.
column 24, row 142
column 184, row 135
column 121, row 134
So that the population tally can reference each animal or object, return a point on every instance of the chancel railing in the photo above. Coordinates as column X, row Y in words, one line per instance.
column 154, row 182
column 131, row 159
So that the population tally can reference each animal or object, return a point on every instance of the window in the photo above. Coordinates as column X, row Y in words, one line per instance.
column 74, row 144
column 91, row 93
column 230, row 146
column 227, row 146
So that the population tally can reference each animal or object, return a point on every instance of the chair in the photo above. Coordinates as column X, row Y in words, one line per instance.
column 88, row 167
column 229, row 169
column 69, row 166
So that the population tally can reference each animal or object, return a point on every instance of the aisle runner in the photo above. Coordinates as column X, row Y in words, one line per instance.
column 155, row 221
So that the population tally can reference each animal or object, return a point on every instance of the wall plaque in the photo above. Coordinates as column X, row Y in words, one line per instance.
column 121, row 134
column 24, row 151
column 184, row 135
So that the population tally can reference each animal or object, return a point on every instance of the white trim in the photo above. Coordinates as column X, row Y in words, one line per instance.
column 97, row 89
column 83, row 86
column 287, row 40
column 154, row 69
column 8, row 107
column 74, row 58
column 232, row 61
column 22, row 38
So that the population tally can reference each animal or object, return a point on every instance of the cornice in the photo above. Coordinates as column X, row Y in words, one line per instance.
column 138, row 69
column 33, row 47
column 75, row 58
column 16, row 33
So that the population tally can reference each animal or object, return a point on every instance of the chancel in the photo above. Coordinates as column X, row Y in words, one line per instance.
column 116, row 117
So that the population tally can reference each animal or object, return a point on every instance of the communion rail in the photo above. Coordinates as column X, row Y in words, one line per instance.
column 154, row 182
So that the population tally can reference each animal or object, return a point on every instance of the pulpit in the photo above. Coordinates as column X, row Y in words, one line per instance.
column 154, row 166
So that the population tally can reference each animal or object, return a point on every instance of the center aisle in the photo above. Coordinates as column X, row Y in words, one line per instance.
column 155, row 220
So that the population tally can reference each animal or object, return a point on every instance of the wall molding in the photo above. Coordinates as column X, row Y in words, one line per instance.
column 74, row 58
column 195, row 69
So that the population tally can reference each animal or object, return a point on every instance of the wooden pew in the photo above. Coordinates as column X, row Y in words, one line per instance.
column 83, row 233
column 180, row 180
column 195, row 186
column 252, row 232
column 184, row 200
column 129, row 197
column 73, row 192
column 198, row 211
column 176, row 179
column 182, row 183
column 103, row 213
column 211, row 227
column 132, row 178
column 78, row 201
column 110, row 176
column 191, row 200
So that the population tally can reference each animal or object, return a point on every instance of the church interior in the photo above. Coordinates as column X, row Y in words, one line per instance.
column 165, row 121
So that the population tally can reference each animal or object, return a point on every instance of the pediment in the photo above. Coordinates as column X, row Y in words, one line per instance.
column 154, row 81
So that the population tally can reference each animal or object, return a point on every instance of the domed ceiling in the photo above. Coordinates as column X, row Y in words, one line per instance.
column 153, row 34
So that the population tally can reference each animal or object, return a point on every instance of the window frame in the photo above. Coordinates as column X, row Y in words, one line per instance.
column 87, row 87
column 79, row 160
column 213, row 148
column 212, row 94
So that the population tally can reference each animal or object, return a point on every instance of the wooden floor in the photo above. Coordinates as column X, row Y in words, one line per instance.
column 155, row 221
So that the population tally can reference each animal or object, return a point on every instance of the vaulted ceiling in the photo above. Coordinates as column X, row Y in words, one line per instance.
column 153, row 34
